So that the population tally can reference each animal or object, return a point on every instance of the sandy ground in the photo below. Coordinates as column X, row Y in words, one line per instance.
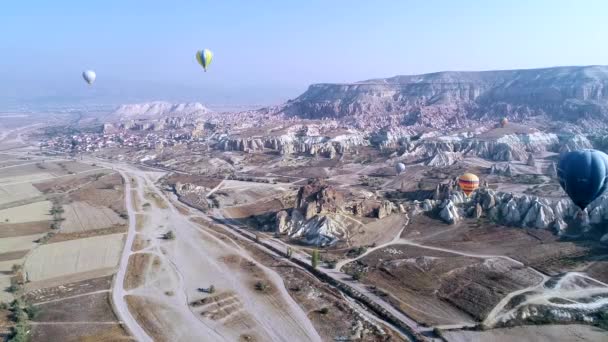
column 74, row 256
column 81, row 216
column 379, row 231
column 38, row 211
column 196, row 259
column 545, row 333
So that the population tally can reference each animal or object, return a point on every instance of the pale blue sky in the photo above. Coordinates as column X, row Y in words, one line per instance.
column 267, row 51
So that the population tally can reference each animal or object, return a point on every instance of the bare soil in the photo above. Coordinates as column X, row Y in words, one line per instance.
column 532, row 333
column 144, row 311
column 69, row 289
column 107, row 191
column 89, row 233
column 140, row 220
column 135, row 200
column 207, row 182
column 599, row 270
column 90, row 308
column 140, row 243
column 72, row 278
column 24, row 228
column 13, row 255
column 437, row 287
column 66, row 184
column 313, row 295
column 79, row 333
column 258, row 208
column 136, row 269
column 537, row 248
column 154, row 198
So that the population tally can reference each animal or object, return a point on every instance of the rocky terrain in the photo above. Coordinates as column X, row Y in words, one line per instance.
column 319, row 173
column 451, row 99
column 158, row 109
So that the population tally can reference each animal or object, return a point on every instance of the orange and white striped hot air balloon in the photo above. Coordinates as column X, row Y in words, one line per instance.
column 468, row 183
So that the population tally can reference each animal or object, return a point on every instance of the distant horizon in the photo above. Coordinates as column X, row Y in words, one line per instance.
column 63, row 101
column 270, row 52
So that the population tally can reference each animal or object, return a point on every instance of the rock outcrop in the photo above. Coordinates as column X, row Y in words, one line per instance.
column 506, row 148
column 442, row 99
column 531, row 161
column 311, row 220
column 386, row 208
column 448, row 212
column 522, row 211
column 289, row 143
column 540, row 213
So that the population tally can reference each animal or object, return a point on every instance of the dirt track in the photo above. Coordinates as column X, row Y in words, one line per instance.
column 194, row 260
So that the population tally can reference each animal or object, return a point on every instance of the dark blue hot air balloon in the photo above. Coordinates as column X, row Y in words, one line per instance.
column 583, row 175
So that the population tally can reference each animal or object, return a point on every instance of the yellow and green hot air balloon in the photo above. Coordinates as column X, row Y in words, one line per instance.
column 468, row 183
column 204, row 58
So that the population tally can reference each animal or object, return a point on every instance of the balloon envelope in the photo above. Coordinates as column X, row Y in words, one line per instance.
column 204, row 58
column 399, row 167
column 468, row 183
column 583, row 175
column 89, row 76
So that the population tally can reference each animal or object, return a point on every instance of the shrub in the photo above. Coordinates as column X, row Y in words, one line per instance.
column 211, row 289
column 324, row 310
column 355, row 252
column 14, row 288
column 261, row 286
column 331, row 263
column 16, row 268
column 32, row 311
column 169, row 235
column 357, row 275
column 19, row 333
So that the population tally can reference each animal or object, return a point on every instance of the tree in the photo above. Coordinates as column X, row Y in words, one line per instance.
column 211, row 289
column 324, row 310
column 314, row 261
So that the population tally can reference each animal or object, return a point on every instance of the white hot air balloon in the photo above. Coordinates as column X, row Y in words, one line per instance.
column 399, row 167
column 89, row 76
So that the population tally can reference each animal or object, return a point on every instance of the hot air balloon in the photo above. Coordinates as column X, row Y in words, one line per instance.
column 399, row 167
column 468, row 183
column 503, row 122
column 583, row 175
column 204, row 58
column 89, row 76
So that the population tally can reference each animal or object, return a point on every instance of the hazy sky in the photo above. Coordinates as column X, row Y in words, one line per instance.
column 267, row 51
